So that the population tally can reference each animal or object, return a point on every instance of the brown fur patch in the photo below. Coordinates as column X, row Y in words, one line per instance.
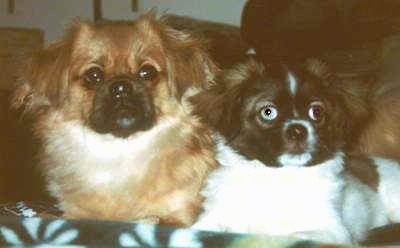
column 364, row 169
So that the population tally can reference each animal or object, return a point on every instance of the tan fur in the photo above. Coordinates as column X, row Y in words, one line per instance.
column 242, row 72
column 159, row 178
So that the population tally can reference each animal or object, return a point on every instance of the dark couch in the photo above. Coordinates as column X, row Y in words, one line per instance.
column 19, row 178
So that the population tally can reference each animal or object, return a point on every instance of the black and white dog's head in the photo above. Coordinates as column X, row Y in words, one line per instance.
column 282, row 115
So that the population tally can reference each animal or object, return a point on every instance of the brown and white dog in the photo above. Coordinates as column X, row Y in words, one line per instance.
column 118, row 141
column 283, row 134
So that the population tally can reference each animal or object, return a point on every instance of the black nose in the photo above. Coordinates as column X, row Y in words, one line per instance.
column 120, row 89
column 296, row 132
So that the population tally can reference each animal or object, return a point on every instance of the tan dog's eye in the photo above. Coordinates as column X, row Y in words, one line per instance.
column 94, row 75
column 147, row 72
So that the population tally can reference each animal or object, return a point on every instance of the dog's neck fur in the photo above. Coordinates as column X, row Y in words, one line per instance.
column 99, row 159
column 247, row 196
column 227, row 156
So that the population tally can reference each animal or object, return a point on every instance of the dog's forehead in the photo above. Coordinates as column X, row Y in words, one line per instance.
column 118, row 44
column 124, row 36
column 280, row 84
column 116, row 31
column 298, row 82
column 287, row 88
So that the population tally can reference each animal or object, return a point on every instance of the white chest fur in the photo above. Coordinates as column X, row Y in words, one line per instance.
column 247, row 196
column 99, row 159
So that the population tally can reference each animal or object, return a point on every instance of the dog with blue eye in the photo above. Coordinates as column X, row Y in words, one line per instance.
column 283, row 133
column 108, row 102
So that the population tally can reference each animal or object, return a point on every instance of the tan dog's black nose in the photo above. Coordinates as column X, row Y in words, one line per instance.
column 120, row 89
column 296, row 132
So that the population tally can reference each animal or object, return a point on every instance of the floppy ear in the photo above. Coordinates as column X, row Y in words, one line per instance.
column 44, row 79
column 222, row 104
column 219, row 108
column 188, row 61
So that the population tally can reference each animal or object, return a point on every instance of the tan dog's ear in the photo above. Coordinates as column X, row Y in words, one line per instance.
column 190, row 63
column 187, row 60
column 44, row 79
column 220, row 108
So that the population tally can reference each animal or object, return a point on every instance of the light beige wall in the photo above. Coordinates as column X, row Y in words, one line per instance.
column 227, row 11
column 53, row 15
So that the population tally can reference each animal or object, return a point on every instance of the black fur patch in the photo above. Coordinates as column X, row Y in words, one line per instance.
column 364, row 169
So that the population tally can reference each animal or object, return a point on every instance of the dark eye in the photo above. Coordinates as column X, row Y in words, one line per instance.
column 94, row 75
column 316, row 111
column 269, row 113
column 147, row 72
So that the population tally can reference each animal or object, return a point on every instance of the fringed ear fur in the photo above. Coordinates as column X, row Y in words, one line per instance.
column 221, row 105
column 44, row 79
column 189, row 62
column 219, row 109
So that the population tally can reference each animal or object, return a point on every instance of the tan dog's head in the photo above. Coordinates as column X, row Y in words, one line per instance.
column 115, row 77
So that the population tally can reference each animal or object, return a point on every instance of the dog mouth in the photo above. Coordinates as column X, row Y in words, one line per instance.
column 122, row 117
column 125, row 121
column 122, row 121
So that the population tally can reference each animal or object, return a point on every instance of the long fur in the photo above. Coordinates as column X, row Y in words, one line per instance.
column 152, row 174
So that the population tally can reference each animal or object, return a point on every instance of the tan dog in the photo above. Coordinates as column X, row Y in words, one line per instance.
column 118, row 142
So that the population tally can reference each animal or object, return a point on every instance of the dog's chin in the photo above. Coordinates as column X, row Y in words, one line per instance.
column 295, row 160
column 122, row 123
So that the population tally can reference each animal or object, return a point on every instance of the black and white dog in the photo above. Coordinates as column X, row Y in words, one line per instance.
column 282, row 136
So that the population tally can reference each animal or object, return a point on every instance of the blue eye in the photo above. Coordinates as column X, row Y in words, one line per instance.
column 269, row 113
